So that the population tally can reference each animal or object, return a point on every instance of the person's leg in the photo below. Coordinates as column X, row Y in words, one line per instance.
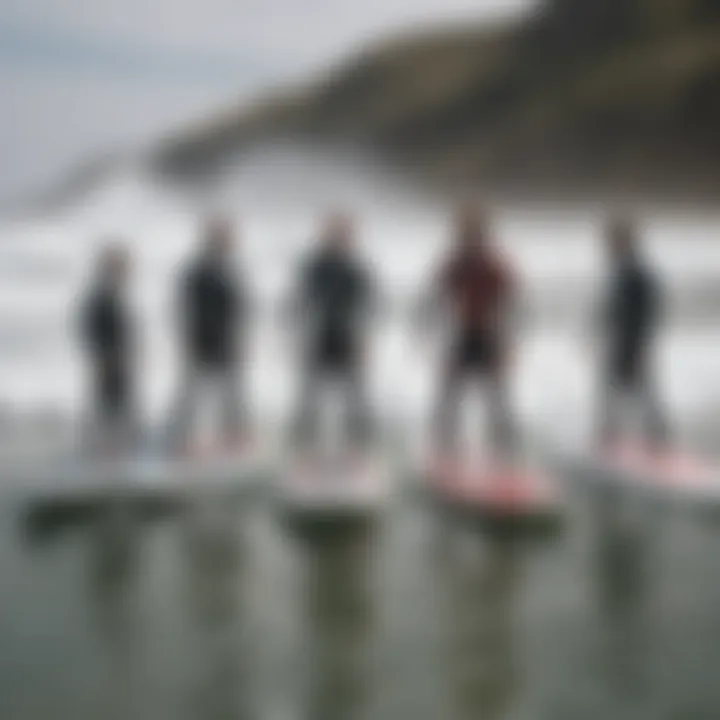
column 656, row 430
column 305, row 426
column 359, row 422
column 461, row 364
column 445, row 428
column 114, row 424
column 608, row 414
column 125, row 410
column 503, row 430
column 485, row 359
column 184, row 413
column 617, row 381
column 101, row 432
column 232, row 404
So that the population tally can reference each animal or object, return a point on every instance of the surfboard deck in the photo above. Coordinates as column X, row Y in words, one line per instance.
column 664, row 474
column 500, row 495
column 76, row 481
column 335, row 486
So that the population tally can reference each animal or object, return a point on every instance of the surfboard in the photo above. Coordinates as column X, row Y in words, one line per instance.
column 333, row 486
column 77, row 481
column 665, row 474
column 502, row 494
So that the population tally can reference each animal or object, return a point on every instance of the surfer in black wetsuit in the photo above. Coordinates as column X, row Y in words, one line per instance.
column 108, row 335
column 334, row 302
column 213, row 307
column 630, row 318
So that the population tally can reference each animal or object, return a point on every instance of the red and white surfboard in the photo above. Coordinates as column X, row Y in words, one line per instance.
column 495, row 488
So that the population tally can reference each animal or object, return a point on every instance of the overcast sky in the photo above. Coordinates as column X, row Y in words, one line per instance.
column 82, row 76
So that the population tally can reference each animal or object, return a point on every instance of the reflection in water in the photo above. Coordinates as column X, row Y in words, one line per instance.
column 113, row 593
column 480, row 578
column 216, row 575
column 338, row 622
column 211, row 642
column 621, row 566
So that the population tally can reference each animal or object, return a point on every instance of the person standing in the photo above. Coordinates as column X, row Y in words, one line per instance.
column 109, row 339
column 333, row 303
column 213, row 309
column 630, row 317
column 477, row 288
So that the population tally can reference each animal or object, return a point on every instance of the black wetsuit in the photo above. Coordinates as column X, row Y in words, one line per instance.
column 631, row 315
column 336, row 296
column 335, row 299
column 214, row 305
column 108, row 335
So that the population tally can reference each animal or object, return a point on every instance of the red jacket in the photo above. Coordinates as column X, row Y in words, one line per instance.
column 479, row 287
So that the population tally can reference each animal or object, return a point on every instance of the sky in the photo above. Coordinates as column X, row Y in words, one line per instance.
column 83, row 77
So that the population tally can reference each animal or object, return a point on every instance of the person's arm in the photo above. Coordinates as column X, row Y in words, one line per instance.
column 509, row 311
column 650, row 302
column 183, row 308
column 248, row 305
column 238, row 299
column 603, row 312
column 300, row 297
column 87, row 324
column 602, row 315
column 655, row 301
column 372, row 304
column 243, row 311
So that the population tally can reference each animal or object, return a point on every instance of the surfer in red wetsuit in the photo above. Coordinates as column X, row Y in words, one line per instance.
column 476, row 285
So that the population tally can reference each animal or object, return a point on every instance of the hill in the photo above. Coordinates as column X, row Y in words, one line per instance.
column 615, row 94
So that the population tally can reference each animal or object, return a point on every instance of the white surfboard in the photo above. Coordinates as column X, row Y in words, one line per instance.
column 334, row 485
column 74, row 479
column 669, row 474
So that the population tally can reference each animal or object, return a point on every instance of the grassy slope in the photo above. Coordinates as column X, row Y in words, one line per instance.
column 569, row 95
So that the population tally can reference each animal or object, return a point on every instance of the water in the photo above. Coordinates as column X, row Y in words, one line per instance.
column 236, row 616
column 227, row 613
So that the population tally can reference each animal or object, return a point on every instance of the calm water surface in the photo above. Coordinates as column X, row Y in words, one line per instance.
column 229, row 613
